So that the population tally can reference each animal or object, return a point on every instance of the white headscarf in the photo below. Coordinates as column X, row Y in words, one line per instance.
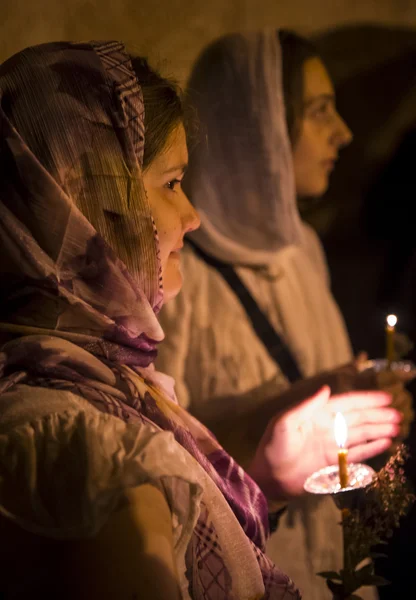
column 241, row 177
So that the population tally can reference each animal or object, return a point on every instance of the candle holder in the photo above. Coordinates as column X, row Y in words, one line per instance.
column 380, row 374
column 371, row 506
column 382, row 364
column 327, row 482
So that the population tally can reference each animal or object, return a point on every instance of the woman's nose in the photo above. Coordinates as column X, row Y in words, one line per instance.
column 343, row 134
column 190, row 219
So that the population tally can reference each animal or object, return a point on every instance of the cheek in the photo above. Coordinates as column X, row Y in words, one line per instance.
column 307, row 149
column 168, row 226
column 310, row 175
column 172, row 277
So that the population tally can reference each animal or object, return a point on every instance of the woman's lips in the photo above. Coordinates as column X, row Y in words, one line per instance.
column 176, row 253
column 177, row 250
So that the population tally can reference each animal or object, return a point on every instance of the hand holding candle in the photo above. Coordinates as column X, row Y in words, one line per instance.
column 340, row 431
column 390, row 328
column 300, row 440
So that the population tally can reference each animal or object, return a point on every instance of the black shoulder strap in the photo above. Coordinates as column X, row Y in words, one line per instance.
column 274, row 344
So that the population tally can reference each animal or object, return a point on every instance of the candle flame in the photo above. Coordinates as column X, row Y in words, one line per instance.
column 391, row 320
column 340, row 430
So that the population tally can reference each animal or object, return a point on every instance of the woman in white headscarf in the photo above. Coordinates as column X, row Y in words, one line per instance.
column 256, row 312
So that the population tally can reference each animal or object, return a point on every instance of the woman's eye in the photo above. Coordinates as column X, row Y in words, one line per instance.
column 323, row 111
column 171, row 185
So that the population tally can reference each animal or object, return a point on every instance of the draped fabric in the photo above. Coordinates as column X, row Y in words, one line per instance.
column 241, row 180
column 240, row 176
column 81, row 286
column 77, row 239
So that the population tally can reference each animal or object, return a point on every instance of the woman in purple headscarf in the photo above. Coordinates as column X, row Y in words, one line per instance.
column 108, row 488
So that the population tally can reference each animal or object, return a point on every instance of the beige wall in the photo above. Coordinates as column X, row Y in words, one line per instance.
column 173, row 31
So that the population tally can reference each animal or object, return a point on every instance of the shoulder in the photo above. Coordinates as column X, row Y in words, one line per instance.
column 200, row 281
column 315, row 251
column 64, row 465
column 26, row 403
column 311, row 240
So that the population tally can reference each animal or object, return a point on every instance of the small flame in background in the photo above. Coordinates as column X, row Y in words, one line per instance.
column 391, row 320
column 340, row 430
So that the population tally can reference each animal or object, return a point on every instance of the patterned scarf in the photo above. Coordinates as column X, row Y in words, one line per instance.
column 76, row 293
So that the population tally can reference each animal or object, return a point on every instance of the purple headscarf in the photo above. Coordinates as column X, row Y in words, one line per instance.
column 72, row 141
column 82, row 146
column 80, row 273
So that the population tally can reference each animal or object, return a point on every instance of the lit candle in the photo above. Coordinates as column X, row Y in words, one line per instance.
column 391, row 324
column 340, row 431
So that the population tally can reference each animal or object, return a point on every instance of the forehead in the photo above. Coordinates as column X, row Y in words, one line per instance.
column 316, row 80
column 175, row 152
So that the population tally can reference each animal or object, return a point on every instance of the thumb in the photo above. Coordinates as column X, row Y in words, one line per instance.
column 309, row 406
column 360, row 359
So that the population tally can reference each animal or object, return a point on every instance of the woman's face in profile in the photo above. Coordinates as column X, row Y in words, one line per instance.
column 322, row 132
column 174, row 215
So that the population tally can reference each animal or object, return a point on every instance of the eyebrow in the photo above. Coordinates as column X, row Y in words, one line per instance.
column 320, row 97
column 182, row 168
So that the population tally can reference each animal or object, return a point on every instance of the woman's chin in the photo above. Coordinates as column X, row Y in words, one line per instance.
column 170, row 294
column 172, row 281
column 315, row 191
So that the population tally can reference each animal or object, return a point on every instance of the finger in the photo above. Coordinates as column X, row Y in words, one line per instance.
column 390, row 385
column 365, row 451
column 368, row 432
column 399, row 374
column 404, row 400
column 405, row 376
column 359, row 400
column 372, row 416
column 395, row 390
column 360, row 359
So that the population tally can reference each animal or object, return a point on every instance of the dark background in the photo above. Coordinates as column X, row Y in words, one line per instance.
column 366, row 220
